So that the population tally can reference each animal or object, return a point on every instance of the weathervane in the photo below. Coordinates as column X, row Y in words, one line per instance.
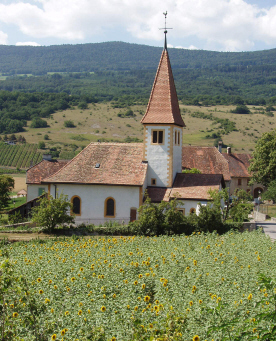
column 165, row 28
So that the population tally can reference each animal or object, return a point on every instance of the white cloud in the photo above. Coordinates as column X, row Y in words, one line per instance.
column 27, row 43
column 191, row 47
column 222, row 24
column 3, row 38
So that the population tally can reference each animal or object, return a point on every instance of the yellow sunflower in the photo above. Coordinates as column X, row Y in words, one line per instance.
column 146, row 298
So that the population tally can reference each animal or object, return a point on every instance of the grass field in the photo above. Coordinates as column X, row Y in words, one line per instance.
column 202, row 287
column 19, row 182
column 100, row 121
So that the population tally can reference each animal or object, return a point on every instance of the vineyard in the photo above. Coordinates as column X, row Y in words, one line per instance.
column 19, row 156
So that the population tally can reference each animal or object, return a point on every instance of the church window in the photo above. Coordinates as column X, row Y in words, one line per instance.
column 76, row 202
column 153, row 182
column 109, row 209
column 157, row 136
column 239, row 182
column 177, row 138
column 182, row 210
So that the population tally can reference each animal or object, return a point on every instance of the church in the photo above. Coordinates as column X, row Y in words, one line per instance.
column 108, row 181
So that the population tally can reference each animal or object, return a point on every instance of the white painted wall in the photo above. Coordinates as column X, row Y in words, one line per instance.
column 93, row 199
column 32, row 191
column 157, row 156
column 177, row 153
column 188, row 204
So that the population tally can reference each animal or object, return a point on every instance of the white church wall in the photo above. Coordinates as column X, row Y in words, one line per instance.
column 33, row 191
column 157, row 156
column 93, row 201
column 177, row 153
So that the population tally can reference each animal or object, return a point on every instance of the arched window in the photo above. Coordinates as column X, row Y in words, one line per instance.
column 192, row 210
column 76, row 202
column 109, row 208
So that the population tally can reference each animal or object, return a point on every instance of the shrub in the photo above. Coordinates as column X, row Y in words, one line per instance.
column 41, row 145
column 52, row 212
column 38, row 122
column 69, row 124
column 82, row 105
column 241, row 109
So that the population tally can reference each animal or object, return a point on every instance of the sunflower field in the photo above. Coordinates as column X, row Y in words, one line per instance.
column 199, row 287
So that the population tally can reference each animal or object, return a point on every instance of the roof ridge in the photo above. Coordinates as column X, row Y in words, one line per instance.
column 68, row 162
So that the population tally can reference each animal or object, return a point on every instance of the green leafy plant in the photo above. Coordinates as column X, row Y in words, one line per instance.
column 52, row 212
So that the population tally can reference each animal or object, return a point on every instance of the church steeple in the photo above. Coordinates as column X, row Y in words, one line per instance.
column 163, row 126
column 163, row 103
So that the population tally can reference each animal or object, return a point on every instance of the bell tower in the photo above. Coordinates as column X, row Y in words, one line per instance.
column 163, row 126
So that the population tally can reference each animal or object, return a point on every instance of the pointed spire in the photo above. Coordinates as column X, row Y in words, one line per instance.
column 163, row 104
column 165, row 44
column 165, row 28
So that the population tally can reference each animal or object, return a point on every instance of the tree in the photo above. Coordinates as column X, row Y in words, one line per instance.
column 263, row 163
column 41, row 145
column 38, row 122
column 236, row 209
column 52, row 212
column 69, row 124
column 157, row 219
column 191, row 171
column 270, row 193
column 241, row 109
column 6, row 186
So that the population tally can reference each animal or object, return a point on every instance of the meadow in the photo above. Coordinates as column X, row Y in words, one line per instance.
column 199, row 287
column 101, row 122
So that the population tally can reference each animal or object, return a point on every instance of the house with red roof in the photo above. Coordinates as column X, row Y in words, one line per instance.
column 240, row 176
column 108, row 181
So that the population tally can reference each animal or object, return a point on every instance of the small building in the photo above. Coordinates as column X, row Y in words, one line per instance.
column 22, row 193
column 240, row 176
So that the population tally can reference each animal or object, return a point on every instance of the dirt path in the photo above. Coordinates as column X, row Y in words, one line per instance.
column 24, row 236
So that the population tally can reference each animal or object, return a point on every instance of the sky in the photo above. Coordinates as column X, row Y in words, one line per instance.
column 218, row 25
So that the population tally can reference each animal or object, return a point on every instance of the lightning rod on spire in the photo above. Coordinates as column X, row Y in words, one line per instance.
column 165, row 29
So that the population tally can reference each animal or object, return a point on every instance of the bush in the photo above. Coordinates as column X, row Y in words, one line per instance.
column 41, row 145
column 82, row 105
column 52, row 212
column 38, row 122
column 69, row 124
column 241, row 109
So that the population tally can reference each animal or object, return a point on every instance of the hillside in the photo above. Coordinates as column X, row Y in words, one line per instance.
column 124, row 73
column 100, row 121
column 121, row 56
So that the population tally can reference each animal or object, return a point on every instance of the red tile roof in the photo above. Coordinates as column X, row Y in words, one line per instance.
column 207, row 159
column 188, row 186
column 238, row 164
column 119, row 164
column 196, row 186
column 163, row 104
column 44, row 169
column 157, row 194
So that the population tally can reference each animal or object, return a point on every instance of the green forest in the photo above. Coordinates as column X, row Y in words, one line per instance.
column 38, row 81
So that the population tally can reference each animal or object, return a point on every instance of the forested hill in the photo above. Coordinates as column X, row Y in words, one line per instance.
column 124, row 56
